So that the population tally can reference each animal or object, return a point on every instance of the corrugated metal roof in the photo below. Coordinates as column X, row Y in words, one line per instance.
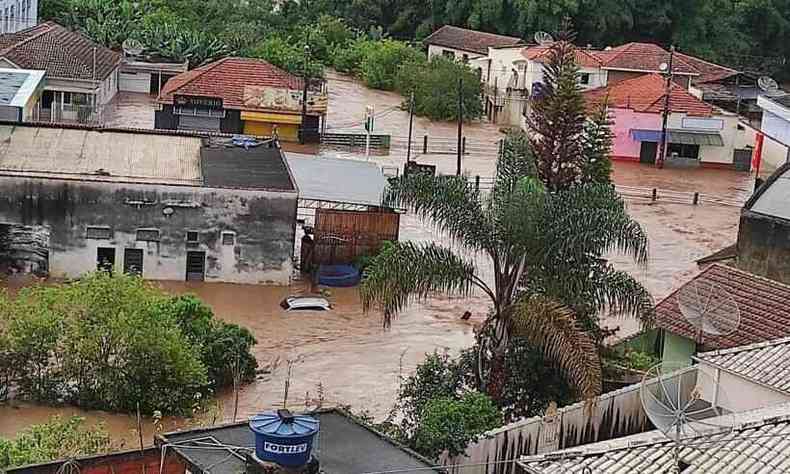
column 759, row 447
column 337, row 179
column 767, row 363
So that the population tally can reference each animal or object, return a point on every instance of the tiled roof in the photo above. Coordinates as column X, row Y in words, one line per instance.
column 227, row 79
column 708, row 71
column 646, row 94
column 59, row 51
column 756, row 447
column 764, row 307
column 540, row 54
column 469, row 40
column 643, row 57
column 767, row 363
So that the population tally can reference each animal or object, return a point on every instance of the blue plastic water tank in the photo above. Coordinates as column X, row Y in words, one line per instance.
column 283, row 438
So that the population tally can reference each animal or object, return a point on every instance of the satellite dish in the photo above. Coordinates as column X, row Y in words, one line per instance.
column 543, row 38
column 769, row 85
column 709, row 308
column 132, row 47
column 684, row 403
column 663, row 66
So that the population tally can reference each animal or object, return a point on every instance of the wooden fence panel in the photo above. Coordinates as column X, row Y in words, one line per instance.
column 341, row 236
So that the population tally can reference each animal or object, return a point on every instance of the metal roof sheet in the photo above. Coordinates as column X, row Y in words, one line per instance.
column 761, row 446
column 337, row 180
column 767, row 363
column 775, row 199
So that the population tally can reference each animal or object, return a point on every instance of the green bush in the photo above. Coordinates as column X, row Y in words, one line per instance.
column 287, row 55
column 56, row 439
column 111, row 342
column 450, row 424
column 381, row 64
column 435, row 87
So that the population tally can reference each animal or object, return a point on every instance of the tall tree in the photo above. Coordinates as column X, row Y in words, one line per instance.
column 596, row 165
column 523, row 229
column 557, row 117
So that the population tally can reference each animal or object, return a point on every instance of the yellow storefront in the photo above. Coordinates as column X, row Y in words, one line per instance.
column 263, row 124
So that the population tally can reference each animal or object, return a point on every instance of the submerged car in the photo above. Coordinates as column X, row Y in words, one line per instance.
column 311, row 303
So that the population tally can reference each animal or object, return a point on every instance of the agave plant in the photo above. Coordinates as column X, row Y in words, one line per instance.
column 531, row 238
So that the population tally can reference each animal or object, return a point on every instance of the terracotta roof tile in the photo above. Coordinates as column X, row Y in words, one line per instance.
column 709, row 72
column 469, row 40
column 59, row 51
column 764, row 306
column 540, row 54
column 643, row 57
column 646, row 94
column 227, row 79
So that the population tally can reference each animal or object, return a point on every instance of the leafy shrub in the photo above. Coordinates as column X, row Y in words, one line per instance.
column 435, row 87
column 56, row 439
column 113, row 342
column 286, row 55
column 449, row 424
column 381, row 64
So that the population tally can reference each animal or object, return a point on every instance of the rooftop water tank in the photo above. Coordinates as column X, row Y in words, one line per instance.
column 283, row 438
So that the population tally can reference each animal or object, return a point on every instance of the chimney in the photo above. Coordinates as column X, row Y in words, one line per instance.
column 283, row 444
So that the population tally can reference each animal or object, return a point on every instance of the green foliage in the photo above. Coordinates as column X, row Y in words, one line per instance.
column 435, row 87
column 381, row 63
column 596, row 165
column 56, row 439
column 449, row 424
column 286, row 55
column 111, row 342
column 173, row 41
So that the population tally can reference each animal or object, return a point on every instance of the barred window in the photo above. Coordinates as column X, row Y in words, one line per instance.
column 192, row 236
column 228, row 238
column 98, row 233
column 148, row 235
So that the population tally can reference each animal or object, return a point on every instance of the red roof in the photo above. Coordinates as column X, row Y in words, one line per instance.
column 643, row 57
column 709, row 72
column 227, row 79
column 646, row 94
column 540, row 54
column 60, row 52
column 764, row 307
column 469, row 40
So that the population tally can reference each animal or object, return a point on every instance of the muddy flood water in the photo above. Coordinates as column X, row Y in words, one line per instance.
column 346, row 352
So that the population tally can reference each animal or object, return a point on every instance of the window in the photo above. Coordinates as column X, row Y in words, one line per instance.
column 98, row 233
column 148, row 235
column 448, row 54
column 584, row 78
column 66, row 98
column 228, row 238
column 684, row 151
column 192, row 237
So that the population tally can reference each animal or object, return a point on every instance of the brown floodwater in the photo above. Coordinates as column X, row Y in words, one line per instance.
column 344, row 356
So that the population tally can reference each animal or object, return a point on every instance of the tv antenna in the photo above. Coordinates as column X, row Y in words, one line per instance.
column 769, row 86
column 709, row 308
column 132, row 47
column 683, row 403
column 543, row 38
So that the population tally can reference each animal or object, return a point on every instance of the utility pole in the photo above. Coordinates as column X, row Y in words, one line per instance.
column 662, row 150
column 369, row 117
column 304, row 94
column 411, row 122
column 460, row 123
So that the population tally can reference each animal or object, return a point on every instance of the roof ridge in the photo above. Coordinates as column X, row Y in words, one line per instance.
column 744, row 348
column 710, row 63
column 48, row 26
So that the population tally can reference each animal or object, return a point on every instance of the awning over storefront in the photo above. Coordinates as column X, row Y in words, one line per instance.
column 271, row 117
column 682, row 137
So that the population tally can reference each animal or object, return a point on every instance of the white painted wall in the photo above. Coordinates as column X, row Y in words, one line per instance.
column 458, row 54
column 17, row 15
column 139, row 82
column 597, row 77
column 506, row 68
column 732, row 137
column 736, row 393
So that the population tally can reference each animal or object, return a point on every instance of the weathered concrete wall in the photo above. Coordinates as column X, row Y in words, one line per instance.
column 764, row 246
column 263, row 222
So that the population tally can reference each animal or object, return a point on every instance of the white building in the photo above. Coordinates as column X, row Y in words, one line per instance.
column 18, row 15
column 775, row 128
column 81, row 75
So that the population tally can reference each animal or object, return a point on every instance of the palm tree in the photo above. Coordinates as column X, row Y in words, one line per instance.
column 546, row 250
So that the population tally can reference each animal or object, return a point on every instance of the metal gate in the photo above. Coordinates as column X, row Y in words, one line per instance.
column 196, row 266
column 190, row 122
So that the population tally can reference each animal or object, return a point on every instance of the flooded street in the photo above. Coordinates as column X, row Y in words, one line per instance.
column 346, row 352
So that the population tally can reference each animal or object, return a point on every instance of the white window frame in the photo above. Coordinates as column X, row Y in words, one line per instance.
column 227, row 233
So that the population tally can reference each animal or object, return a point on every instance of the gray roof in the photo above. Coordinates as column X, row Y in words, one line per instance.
column 761, row 446
column 261, row 167
column 767, row 363
column 337, row 180
column 773, row 197
column 343, row 446
column 17, row 86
